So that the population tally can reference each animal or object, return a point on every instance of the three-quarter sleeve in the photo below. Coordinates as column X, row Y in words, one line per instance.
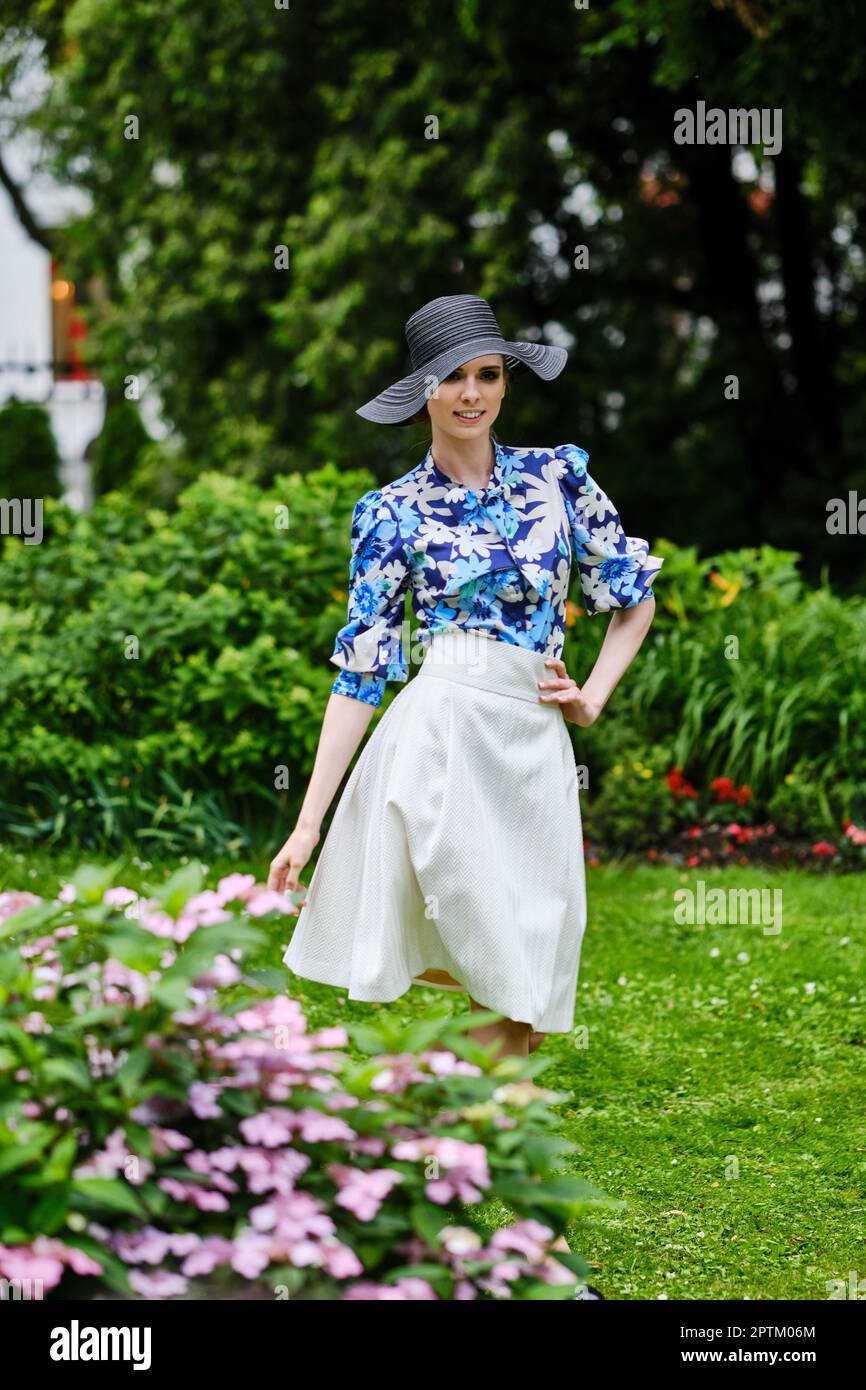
column 616, row 570
column 369, row 648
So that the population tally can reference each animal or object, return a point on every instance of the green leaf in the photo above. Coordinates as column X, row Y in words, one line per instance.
column 67, row 1069
column 268, row 977
column 134, row 947
column 132, row 1070
column 91, row 880
column 173, row 895
column 110, row 1193
column 139, row 1139
column 61, row 1159
column 427, row 1222
column 19, row 1155
column 114, row 1272
column 198, row 956
column 576, row 1263
column 171, row 992
column 367, row 1037
column 105, row 1013
column 50, row 1212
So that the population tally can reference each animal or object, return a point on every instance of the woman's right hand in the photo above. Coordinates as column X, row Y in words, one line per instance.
column 287, row 864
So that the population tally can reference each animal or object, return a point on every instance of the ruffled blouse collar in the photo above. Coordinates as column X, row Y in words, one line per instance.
column 494, row 489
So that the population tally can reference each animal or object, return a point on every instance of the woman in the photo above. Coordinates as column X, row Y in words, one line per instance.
column 455, row 855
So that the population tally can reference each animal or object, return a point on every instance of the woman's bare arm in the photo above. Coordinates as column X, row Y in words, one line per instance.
column 343, row 727
column 624, row 637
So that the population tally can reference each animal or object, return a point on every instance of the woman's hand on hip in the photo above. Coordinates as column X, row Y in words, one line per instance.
column 560, row 689
column 286, row 865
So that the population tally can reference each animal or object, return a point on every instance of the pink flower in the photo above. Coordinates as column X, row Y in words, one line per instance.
column 273, row 1013
column 43, row 1259
column 121, row 981
column 115, row 1157
column 693, row 860
column 528, row 1237
column 329, row 1037
column 201, row 1197
column 252, row 1254
column 694, row 833
column 211, row 1252
column 168, row 1141
column 35, row 1023
column 315, row 1127
column 15, row 901
column 340, row 1260
column 465, row 1166
column 147, row 1246
column 235, row 887
column 271, row 1128
column 119, row 897
column 449, row 1064
column 222, row 971
column 363, row 1192
column 266, row 900
column 401, row 1291
column 202, row 1101
column 823, row 849
column 161, row 1284
column 855, row 835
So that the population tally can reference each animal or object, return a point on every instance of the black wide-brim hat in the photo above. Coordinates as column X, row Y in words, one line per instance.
column 444, row 334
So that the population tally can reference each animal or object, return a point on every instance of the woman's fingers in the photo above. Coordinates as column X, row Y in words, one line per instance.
column 557, row 664
column 280, row 871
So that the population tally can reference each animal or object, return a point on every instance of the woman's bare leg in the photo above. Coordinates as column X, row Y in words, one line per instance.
column 514, row 1039
column 510, row 1038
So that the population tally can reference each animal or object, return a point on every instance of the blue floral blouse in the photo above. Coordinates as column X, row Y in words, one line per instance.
column 499, row 560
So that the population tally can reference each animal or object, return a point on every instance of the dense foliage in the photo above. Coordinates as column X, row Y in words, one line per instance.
column 168, row 675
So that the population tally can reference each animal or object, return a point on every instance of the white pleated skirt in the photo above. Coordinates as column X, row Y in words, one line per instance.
column 457, row 844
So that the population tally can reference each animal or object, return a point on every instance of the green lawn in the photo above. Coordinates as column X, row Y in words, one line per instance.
column 720, row 1091
column 717, row 1094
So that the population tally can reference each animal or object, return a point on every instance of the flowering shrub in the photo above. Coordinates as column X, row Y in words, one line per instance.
column 652, row 805
column 155, row 1133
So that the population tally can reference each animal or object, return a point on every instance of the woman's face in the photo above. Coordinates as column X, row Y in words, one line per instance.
column 467, row 402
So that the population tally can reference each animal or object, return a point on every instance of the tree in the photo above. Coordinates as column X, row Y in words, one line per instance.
column 400, row 152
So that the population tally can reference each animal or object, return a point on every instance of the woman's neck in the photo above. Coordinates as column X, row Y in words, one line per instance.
column 469, row 463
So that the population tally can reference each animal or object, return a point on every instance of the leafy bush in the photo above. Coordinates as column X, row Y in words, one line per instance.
column 166, row 1118
column 137, row 644
column 745, row 674
column 118, row 446
column 29, row 457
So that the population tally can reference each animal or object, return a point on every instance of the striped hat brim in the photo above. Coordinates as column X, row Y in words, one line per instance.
column 398, row 403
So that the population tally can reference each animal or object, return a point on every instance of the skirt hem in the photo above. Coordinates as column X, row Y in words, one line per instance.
column 319, row 973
